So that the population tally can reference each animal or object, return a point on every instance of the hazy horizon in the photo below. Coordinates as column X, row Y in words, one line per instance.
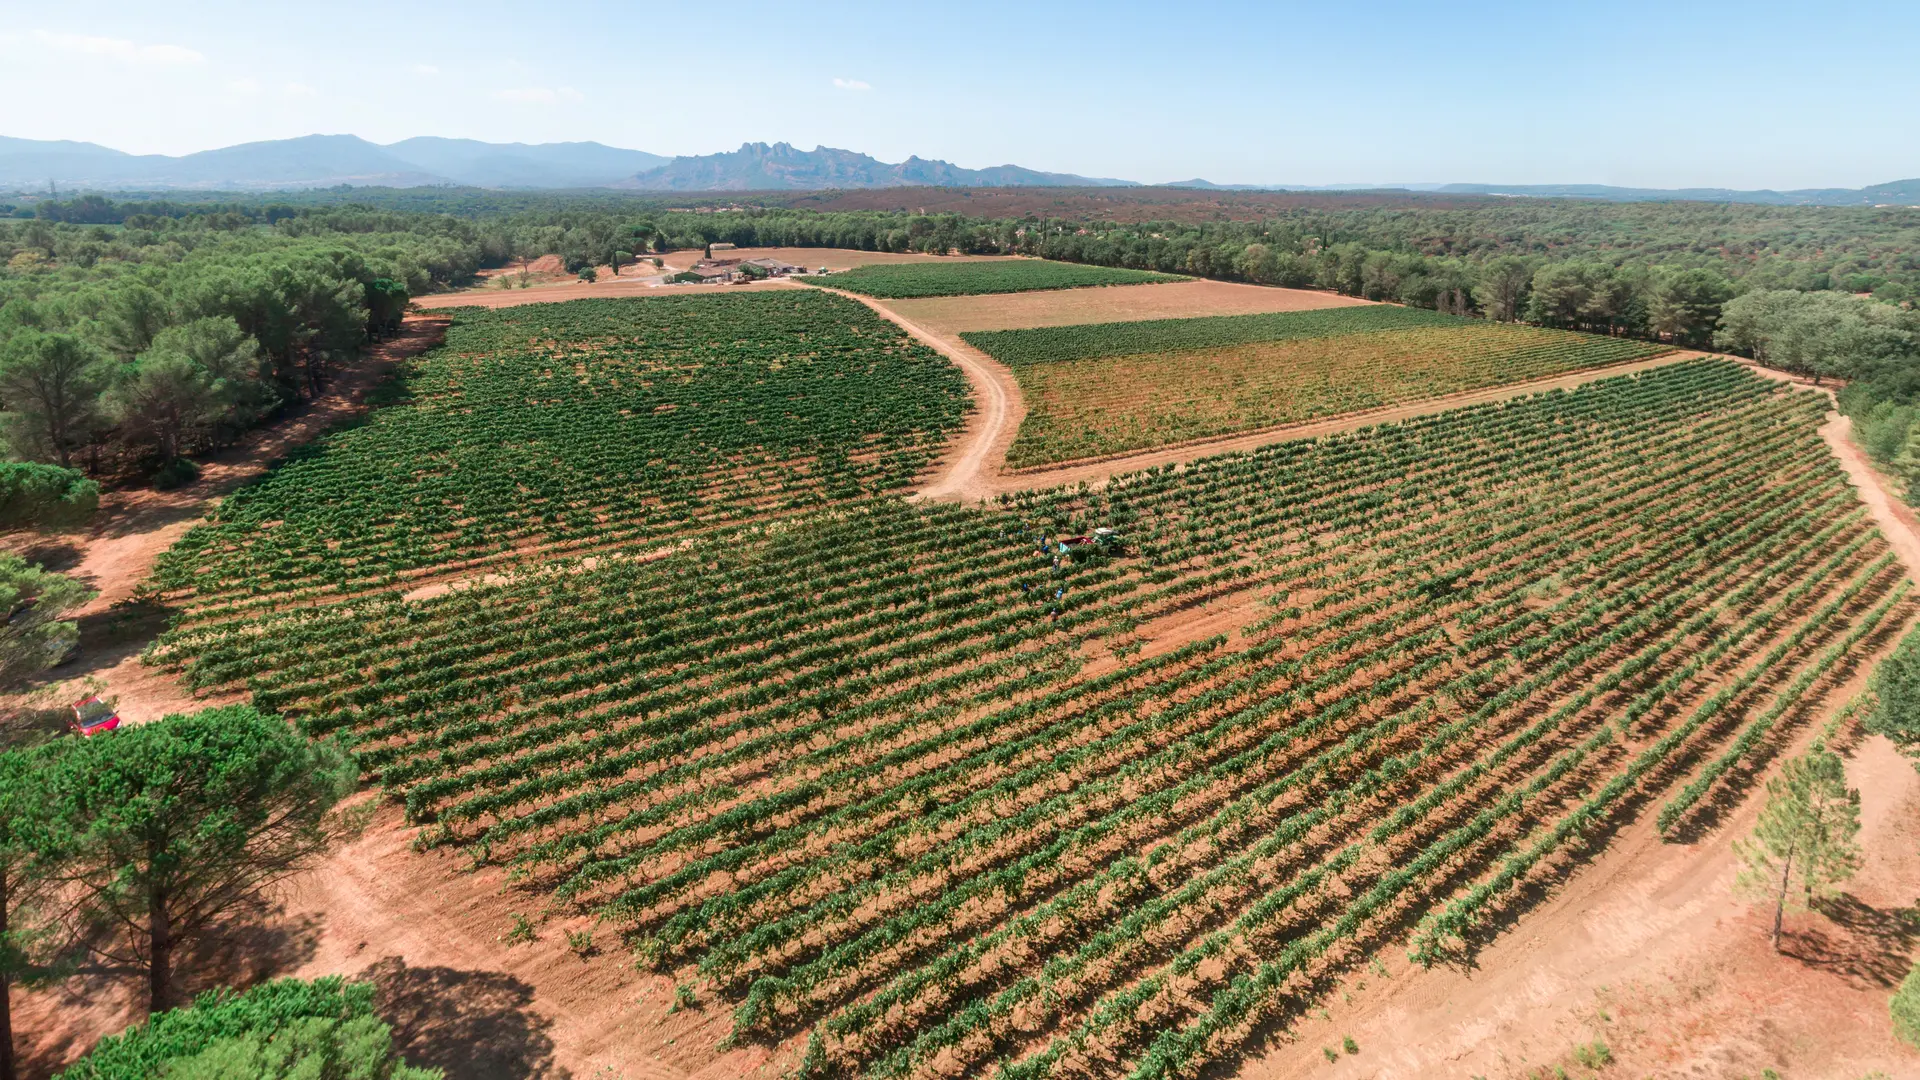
column 1236, row 94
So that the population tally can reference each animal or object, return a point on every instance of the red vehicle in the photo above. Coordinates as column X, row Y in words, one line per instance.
column 91, row 716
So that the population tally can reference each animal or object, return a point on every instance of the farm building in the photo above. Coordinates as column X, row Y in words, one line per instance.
column 775, row 267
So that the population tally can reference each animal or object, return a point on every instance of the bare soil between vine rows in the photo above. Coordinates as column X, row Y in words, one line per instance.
column 1644, row 948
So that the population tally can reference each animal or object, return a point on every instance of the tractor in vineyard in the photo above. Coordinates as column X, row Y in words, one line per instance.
column 1102, row 541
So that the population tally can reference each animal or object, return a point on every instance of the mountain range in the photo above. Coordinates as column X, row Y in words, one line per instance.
column 782, row 167
column 314, row 161
column 323, row 161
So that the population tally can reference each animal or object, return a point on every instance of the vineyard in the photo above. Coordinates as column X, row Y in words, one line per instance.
column 592, row 424
column 916, row 787
column 1087, row 408
column 1045, row 344
column 905, row 281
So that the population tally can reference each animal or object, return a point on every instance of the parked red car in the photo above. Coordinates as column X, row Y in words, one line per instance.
column 91, row 716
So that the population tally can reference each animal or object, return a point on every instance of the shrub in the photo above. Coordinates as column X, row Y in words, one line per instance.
column 323, row 1029
column 45, row 496
column 1905, row 1007
column 177, row 473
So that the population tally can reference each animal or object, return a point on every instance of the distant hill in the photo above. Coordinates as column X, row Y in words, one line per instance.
column 318, row 161
column 322, row 161
column 782, row 167
column 1208, row 185
column 1897, row 193
column 523, row 165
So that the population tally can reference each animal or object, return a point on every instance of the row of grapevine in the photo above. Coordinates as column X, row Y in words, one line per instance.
column 909, row 780
column 1111, row 405
column 1048, row 344
column 571, row 427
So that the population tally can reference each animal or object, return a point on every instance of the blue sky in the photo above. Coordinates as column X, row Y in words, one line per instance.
column 1651, row 94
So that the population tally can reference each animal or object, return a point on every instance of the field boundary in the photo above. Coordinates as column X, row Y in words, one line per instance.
column 1213, row 444
column 974, row 467
column 981, row 448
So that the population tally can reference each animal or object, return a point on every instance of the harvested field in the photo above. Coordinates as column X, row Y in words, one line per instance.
column 909, row 789
column 972, row 278
column 1096, row 407
column 1115, row 303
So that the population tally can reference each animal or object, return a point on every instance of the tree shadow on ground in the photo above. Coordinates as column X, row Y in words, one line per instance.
column 476, row 1025
column 251, row 944
column 57, row 553
column 249, row 948
column 1863, row 943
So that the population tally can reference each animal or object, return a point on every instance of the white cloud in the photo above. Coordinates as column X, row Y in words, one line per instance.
column 118, row 49
column 540, row 95
column 299, row 89
column 851, row 84
column 425, row 69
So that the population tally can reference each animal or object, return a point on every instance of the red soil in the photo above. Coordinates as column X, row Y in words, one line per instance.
column 1645, row 948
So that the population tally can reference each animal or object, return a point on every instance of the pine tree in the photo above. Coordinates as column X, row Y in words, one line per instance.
column 1806, row 835
column 1906, row 464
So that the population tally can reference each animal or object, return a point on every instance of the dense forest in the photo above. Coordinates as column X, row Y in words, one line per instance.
column 166, row 332
column 134, row 331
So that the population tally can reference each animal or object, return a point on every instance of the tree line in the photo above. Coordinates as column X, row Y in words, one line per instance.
column 144, row 329
column 138, row 342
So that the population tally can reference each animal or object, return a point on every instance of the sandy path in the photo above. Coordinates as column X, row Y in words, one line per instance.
column 973, row 469
column 962, row 471
column 1896, row 519
column 1890, row 512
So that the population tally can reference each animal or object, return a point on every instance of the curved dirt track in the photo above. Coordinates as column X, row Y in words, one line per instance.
column 1891, row 513
column 989, row 431
column 973, row 469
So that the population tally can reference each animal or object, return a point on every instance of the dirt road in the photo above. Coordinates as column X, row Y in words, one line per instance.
column 982, row 443
column 973, row 469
